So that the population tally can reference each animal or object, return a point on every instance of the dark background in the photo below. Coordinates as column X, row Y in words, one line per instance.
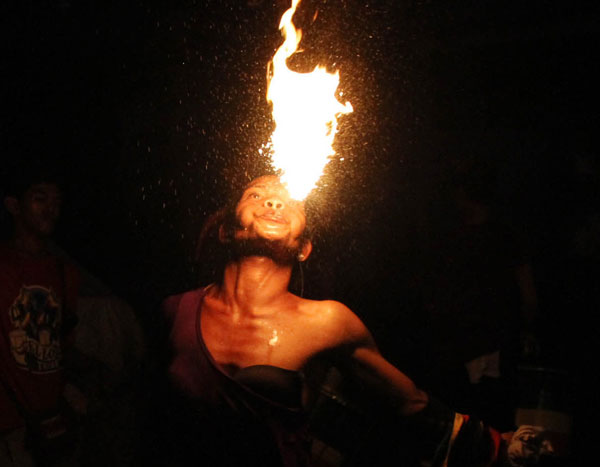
column 154, row 111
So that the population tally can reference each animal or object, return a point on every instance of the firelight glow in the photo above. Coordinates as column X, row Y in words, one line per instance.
column 305, row 112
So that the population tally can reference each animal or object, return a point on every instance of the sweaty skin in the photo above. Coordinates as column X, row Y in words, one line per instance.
column 252, row 328
column 252, row 318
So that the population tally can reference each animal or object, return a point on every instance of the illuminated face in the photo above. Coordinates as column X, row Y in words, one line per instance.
column 266, row 211
column 39, row 208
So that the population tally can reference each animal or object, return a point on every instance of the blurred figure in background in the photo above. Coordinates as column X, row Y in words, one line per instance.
column 37, row 318
column 105, row 363
column 70, row 349
column 482, row 305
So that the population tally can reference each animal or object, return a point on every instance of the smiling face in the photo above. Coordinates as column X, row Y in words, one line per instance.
column 266, row 211
column 37, row 210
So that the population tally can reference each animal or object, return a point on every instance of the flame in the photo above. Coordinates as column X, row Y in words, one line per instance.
column 305, row 111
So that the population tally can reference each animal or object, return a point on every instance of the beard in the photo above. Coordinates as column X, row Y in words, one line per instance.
column 272, row 249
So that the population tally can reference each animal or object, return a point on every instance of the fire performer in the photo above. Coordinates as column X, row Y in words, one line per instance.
column 244, row 350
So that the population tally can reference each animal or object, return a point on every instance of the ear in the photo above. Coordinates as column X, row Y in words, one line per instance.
column 12, row 205
column 305, row 251
column 223, row 237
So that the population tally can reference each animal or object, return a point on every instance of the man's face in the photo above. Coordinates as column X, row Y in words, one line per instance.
column 266, row 211
column 39, row 208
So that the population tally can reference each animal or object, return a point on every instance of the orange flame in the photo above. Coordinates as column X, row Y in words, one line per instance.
column 305, row 111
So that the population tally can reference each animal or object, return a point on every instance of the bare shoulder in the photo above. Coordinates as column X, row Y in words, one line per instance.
column 181, row 304
column 337, row 321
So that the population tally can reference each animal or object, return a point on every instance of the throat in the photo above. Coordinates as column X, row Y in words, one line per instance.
column 255, row 285
column 30, row 246
column 273, row 250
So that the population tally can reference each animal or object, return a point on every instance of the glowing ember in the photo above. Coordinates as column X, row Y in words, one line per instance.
column 305, row 111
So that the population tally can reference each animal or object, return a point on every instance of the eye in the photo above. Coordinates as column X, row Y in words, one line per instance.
column 253, row 195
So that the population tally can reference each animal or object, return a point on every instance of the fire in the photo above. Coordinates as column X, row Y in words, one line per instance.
column 305, row 111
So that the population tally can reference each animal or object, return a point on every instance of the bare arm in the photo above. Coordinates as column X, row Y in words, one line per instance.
column 388, row 381
column 437, row 432
column 362, row 358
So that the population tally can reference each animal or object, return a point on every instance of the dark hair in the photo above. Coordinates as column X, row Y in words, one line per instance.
column 18, row 178
column 210, row 253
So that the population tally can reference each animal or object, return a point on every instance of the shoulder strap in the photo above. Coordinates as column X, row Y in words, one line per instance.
column 192, row 300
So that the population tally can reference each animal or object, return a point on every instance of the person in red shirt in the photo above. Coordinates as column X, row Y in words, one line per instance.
column 37, row 303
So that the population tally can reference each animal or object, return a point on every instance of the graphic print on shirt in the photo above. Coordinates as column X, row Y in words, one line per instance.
column 35, row 340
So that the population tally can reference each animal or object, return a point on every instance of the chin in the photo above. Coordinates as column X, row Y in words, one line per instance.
column 45, row 231
column 274, row 236
column 270, row 248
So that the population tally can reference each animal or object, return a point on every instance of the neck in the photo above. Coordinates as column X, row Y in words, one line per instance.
column 254, row 284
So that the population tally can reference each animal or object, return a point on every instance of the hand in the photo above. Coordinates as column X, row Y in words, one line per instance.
column 530, row 346
column 76, row 399
column 507, row 436
column 526, row 446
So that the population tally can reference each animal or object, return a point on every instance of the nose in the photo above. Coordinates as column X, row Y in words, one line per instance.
column 53, row 208
column 274, row 203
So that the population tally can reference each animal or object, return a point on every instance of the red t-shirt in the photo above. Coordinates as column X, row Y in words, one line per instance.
column 33, row 294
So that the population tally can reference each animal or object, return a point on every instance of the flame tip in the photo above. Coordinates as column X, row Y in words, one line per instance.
column 305, row 110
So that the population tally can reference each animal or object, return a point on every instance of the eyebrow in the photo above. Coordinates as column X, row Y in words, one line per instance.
column 42, row 191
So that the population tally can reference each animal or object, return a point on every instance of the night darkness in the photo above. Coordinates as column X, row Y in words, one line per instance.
column 155, row 111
